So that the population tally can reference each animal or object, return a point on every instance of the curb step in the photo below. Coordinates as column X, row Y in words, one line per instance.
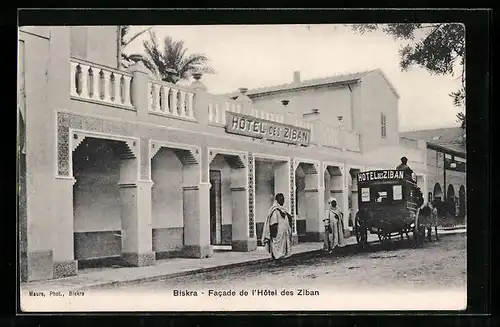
column 192, row 272
column 210, row 269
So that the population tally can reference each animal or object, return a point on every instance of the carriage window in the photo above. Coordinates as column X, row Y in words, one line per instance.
column 365, row 194
column 382, row 193
column 397, row 192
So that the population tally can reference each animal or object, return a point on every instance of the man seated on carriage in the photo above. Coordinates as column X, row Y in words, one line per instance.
column 404, row 167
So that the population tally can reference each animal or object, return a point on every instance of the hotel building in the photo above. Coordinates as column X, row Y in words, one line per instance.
column 117, row 165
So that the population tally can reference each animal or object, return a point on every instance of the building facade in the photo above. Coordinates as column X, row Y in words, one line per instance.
column 446, row 169
column 117, row 165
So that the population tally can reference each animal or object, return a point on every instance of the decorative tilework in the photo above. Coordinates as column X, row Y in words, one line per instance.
column 63, row 151
column 292, row 192
column 251, row 227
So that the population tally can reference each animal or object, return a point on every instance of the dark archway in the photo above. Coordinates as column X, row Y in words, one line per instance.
column 438, row 199
column 438, row 193
column 461, row 202
column 98, row 229
column 450, row 200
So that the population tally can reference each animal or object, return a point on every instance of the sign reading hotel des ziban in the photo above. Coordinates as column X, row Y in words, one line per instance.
column 265, row 129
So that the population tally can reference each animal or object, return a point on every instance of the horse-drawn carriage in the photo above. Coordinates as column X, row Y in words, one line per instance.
column 389, row 203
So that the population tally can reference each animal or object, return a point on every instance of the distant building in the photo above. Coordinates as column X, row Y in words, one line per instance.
column 446, row 167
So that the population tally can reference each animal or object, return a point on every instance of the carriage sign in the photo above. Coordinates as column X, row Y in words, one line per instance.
column 383, row 175
column 266, row 129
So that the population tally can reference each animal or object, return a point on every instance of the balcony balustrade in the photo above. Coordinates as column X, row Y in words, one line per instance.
column 96, row 83
column 108, row 86
column 170, row 100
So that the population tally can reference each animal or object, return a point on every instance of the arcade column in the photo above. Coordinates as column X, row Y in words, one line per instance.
column 242, row 241
column 315, row 211
column 196, row 208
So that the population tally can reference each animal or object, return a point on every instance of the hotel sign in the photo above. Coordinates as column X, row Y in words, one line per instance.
column 383, row 175
column 265, row 129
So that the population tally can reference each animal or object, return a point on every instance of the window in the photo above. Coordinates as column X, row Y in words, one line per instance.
column 383, row 126
column 382, row 193
column 397, row 191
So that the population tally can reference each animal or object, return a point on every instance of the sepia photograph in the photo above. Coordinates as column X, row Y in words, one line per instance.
column 286, row 167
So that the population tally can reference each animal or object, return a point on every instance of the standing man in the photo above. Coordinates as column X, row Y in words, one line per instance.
column 334, row 219
column 407, row 171
column 277, row 231
column 403, row 165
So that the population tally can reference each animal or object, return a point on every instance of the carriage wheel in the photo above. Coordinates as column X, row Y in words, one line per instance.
column 383, row 237
column 360, row 232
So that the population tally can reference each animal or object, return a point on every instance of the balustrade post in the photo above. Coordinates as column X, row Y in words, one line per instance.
column 126, row 90
column 217, row 114
column 190, row 105
column 107, row 86
column 173, row 103
column 96, row 90
column 223, row 114
column 182, row 104
column 139, row 89
column 165, row 105
column 73, row 84
column 84, row 81
column 200, row 101
column 156, row 97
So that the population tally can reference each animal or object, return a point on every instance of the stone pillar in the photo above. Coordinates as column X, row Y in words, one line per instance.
column 284, row 182
column 196, row 209
column 345, row 207
column 354, row 193
column 200, row 100
column 245, row 102
column 139, row 92
column 62, row 186
column 315, row 211
column 63, row 235
column 36, row 253
column 242, row 241
column 135, row 197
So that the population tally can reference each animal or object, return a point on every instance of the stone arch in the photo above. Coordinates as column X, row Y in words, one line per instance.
column 307, row 207
column 450, row 200
column 271, row 174
column 450, row 192
column 112, row 162
column 229, row 200
column 176, row 171
column 437, row 192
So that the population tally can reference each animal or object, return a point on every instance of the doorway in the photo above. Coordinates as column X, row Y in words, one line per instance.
column 215, row 207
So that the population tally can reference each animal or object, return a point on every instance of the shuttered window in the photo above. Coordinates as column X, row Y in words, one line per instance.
column 383, row 126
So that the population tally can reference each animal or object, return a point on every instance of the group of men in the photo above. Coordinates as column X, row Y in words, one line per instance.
column 277, row 231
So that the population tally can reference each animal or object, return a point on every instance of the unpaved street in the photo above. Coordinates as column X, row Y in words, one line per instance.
column 439, row 265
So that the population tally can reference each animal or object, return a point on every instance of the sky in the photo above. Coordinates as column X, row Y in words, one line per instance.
column 254, row 56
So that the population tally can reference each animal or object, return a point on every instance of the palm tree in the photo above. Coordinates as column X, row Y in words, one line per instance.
column 173, row 64
column 128, row 59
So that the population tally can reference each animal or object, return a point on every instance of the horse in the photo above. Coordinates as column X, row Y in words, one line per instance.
column 428, row 215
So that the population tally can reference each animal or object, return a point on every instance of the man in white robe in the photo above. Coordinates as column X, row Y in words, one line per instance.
column 277, row 231
column 334, row 226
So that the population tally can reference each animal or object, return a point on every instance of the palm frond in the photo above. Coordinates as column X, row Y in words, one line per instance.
column 136, row 35
column 172, row 63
